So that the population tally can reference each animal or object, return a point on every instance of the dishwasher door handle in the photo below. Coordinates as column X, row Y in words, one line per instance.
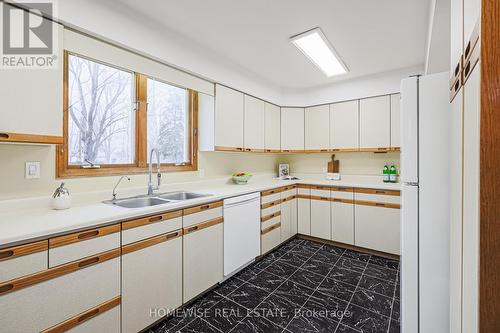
column 234, row 204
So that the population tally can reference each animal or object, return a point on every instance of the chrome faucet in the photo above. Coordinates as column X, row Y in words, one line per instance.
column 151, row 189
column 117, row 183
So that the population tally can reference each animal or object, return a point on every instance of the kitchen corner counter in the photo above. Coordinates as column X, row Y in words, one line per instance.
column 27, row 220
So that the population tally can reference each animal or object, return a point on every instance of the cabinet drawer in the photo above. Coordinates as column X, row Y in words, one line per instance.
column 23, row 260
column 271, row 197
column 342, row 193
column 270, row 238
column 288, row 193
column 102, row 318
column 271, row 208
column 52, row 296
column 303, row 190
column 203, row 258
column 201, row 213
column 136, row 230
column 270, row 220
column 159, row 260
column 377, row 228
column 83, row 244
column 381, row 196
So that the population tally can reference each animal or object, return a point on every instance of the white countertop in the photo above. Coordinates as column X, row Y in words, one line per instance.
column 26, row 220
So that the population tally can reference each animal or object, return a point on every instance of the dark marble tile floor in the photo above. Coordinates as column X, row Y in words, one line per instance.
column 304, row 287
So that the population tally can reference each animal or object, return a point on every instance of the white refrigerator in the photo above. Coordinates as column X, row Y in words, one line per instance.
column 425, row 213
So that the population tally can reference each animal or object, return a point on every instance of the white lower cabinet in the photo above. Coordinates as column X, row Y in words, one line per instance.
column 320, row 217
column 108, row 321
column 43, row 305
column 286, row 220
column 203, row 258
column 342, row 217
column 293, row 216
column 151, row 280
column 304, row 210
column 270, row 238
column 377, row 228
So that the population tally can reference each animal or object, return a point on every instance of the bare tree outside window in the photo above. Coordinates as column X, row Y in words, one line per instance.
column 168, row 117
column 101, row 114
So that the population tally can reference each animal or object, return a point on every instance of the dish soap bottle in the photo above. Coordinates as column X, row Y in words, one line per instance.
column 386, row 173
column 393, row 174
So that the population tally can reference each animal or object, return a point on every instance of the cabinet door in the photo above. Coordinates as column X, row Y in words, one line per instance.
column 317, row 128
column 293, row 217
column 375, row 122
column 344, row 125
column 254, row 123
column 203, row 258
column 292, row 129
column 342, row 216
column 320, row 218
column 377, row 228
column 456, row 123
column 229, row 117
column 304, row 216
column 286, row 220
column 32, row 100
column 471, row 168
column 272, row 127
column 161, row 266
column 456, row 35
column 395, row 121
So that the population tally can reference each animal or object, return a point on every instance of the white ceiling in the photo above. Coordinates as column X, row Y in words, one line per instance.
column 370, row 36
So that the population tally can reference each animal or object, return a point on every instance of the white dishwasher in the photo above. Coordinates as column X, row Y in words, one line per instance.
column 241, row 231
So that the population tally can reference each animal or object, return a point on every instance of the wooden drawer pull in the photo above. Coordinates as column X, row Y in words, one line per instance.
column 6, row 287
column 172, row 235
column 337, row 200
column 191, row 229
column 88, row 315
column 379, row 204
column 89, row 234
column 467, row 69
column 205, row 207
column 324, row 198
column 379, row 192
column 457, row 69
column 88, row 262
column 156, row 218
column 467, row 50
column 4, row 136
column 6, row 254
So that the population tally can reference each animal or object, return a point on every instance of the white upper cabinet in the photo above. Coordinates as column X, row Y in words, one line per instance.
column 32, row 101
column 375, row 122
column 272, row 127
column 229, row 118
column 472, row 12
column 395, row 119
column 254, row 123
column 292, row 129
column 317, row 128
column 456, row 35
column 344, row 125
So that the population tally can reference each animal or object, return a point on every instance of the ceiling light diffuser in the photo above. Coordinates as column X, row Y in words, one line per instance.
column 314, row 45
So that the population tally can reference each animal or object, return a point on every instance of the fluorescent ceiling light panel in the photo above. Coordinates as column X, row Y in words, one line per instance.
column 318, row 50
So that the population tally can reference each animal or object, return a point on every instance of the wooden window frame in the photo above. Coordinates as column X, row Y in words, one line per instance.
column 140, row 164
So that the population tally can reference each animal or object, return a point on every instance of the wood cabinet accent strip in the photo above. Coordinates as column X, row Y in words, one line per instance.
column 22, row 250
column 254, row 150
column 375, row 150
column 303, row 196
column 341, row 189
column 151, row 241
column 471, row 44
column 31, row 138
column 291, row 197
column 347, row 201
column 377, row 204
column 316, row 150
column 303, row 186
column 270, row 216
column 377, row 191
column 319, row 198
column 83, row 235
column 236, row 149
column 471, row 63
column 456, row 87
column 272, row 151
column 320, row 187
column 201, row 208
column 270, row 192
column 51, row 273
column 202, row 225
column 344, row 149
column 456, row 73
column 271, row 228
column 84, row 316
column 151, row 219
column 270, row 204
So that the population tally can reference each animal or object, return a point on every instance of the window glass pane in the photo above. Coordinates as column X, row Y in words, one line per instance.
column 168, row 122
column 101, row 122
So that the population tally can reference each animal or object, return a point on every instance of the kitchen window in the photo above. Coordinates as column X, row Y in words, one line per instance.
column 113, row 117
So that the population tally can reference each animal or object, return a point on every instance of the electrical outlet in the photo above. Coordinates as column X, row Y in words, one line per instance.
column 32, row 170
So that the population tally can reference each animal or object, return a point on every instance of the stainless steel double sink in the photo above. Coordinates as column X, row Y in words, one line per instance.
column 157, row 199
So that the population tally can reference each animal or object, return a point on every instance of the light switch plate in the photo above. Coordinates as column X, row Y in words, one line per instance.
column 32, row 170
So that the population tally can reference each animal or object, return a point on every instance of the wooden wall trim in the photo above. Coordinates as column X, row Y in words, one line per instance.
column 83, row 235
column 22, row 250
column 29, row 280
column 489, row 240
column 84, row 316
